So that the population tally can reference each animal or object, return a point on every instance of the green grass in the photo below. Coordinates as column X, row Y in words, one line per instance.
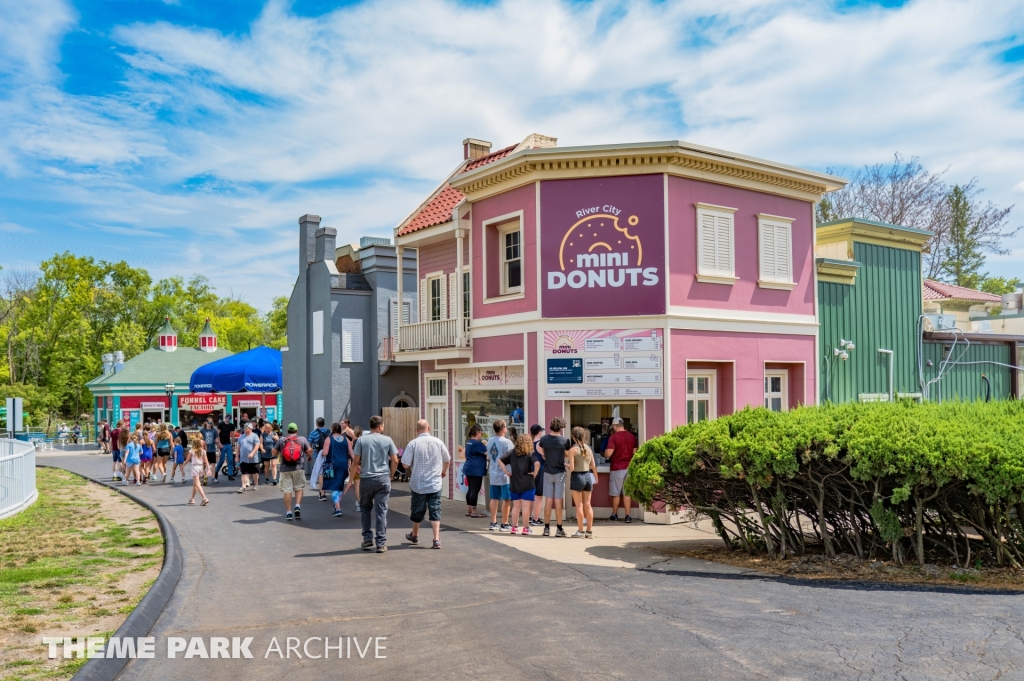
column 64, row 562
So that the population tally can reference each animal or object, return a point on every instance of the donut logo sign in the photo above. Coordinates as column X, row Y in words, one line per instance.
column 602, row 246
column 600, row 254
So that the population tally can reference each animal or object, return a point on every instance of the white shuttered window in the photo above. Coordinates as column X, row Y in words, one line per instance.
column 715, row 242
column 775, row 246
column 318, row 332
column 351, row 340
column 453, row 305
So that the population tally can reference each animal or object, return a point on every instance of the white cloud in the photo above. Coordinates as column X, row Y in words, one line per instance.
column 355, row 115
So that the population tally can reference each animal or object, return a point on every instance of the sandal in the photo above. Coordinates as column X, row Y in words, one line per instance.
column 205, row 502
column 192, row 502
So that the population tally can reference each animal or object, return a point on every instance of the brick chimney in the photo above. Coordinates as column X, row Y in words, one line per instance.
column 473, row 149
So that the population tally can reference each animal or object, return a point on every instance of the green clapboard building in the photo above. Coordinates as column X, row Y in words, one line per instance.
column 869, row 307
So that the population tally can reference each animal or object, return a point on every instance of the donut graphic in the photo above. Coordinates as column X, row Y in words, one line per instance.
column 599, row 240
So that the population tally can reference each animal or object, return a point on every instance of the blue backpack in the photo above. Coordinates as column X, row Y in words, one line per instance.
column 316, row 438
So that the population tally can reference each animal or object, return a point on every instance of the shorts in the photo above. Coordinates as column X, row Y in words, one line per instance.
column 292, row 481
column 422, row 503
column 264, row 456
column 211, row 457
column 615, row 480
column 501, row 492
column 116, row 453
column 132, row 461
column 163, row 454
column 180, row 461
column 250, row 468
column 580, row 482
column 528, row 495
column 554, row 485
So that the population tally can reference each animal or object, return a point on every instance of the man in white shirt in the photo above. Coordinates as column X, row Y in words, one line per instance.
column 429, row 459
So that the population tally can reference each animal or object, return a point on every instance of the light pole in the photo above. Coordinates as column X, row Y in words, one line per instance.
column 169, row 391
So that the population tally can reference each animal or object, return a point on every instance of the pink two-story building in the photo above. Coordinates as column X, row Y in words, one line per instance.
column 662, row 282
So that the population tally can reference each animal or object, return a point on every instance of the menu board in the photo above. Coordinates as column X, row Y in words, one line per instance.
column 612, row 363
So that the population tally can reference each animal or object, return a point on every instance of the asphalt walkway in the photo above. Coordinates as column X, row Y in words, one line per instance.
column 499, row 607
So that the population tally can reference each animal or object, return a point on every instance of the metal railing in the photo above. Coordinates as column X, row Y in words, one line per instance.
column 430, row 335
column 17, row 476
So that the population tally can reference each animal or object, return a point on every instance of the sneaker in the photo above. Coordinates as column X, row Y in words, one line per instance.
column 590, row 535
column 579, row 535
column 337, row 513
column 298, row 512
column 323, row 498
column 536, row 522
column 515, row 529
column 241, row 489
column 614, row 517
column 560, row 532
column 274, row 483
column 289, row 516
column 216, row 479
column 413, row 539
column 437, row 544
column 526, row 531
column 504, row 528
column 629, row 519
column 547, row 530
column 382, row 549
column 183, row 481
column 367, row 545
column 493, row 526
column 231, row 477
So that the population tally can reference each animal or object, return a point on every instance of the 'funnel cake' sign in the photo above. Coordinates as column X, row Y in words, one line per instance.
column 602, row 246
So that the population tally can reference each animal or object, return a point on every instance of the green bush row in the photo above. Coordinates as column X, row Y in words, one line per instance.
column 868, row 478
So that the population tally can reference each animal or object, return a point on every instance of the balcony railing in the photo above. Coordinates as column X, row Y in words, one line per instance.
column 433, row 335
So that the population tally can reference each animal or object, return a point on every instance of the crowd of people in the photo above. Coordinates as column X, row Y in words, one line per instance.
column 526, row 473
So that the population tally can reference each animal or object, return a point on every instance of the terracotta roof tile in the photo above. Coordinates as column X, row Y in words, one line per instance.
column 439, row 209
column 936, row 290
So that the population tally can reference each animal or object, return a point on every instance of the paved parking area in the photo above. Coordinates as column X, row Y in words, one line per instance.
column 492, row 606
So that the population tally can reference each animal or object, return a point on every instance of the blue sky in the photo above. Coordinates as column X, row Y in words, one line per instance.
column 187, row 137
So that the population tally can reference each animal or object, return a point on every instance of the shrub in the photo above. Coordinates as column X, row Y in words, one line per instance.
column 875, row 478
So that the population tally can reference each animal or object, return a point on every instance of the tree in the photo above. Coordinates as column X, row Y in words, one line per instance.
column 277, row 323
column 1000, row 285
column 906, row 193
column 974, row 229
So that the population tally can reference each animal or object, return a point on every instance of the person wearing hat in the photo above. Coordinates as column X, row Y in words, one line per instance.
column 537, row 512
column 294, row 450
column 622, row 446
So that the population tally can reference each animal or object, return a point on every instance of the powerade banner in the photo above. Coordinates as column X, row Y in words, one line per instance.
column 602, row 247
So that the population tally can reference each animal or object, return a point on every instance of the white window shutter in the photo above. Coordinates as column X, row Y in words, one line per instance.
column 318, row 332
column 766, row 239
column 707, row 243
column 453, row 308
column 444, row 297
column 424, row 300
column 394, row 323
column 351, row 340
column 783, row 254
column 406, row 312
column 723, row 244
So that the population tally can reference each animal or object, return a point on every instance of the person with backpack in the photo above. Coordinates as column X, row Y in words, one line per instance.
column 337, row 458
column 294, row 450
column 316, row 438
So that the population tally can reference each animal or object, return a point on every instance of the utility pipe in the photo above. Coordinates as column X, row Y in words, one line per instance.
column 891, row 354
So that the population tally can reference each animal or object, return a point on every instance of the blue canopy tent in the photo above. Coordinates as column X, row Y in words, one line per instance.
column 255, row 371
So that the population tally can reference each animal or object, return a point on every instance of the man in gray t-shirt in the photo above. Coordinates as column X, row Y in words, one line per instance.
column 375, row 456
column 248, row 456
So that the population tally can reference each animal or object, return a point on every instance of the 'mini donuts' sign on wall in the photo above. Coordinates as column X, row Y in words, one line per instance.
column 602, row 246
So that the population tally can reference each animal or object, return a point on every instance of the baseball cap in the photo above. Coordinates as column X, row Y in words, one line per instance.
column 618, row 422
column 292, row 428
column 536, row 428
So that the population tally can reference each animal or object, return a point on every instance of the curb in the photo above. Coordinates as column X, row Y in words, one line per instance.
column 141, row 620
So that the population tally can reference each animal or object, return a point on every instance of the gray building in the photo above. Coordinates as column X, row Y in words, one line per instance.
column 339, row 362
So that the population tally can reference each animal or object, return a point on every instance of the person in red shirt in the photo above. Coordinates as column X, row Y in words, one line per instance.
column 621, row 448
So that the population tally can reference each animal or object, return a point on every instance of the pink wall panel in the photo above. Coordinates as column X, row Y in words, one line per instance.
column 745, row 293
column 749, row 353
column 524, row 199
column 654, row 418
column 438, row 257
column 553, row 408
column 498, row 348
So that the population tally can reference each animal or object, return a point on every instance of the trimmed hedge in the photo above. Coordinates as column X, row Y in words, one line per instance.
column 871, row 479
